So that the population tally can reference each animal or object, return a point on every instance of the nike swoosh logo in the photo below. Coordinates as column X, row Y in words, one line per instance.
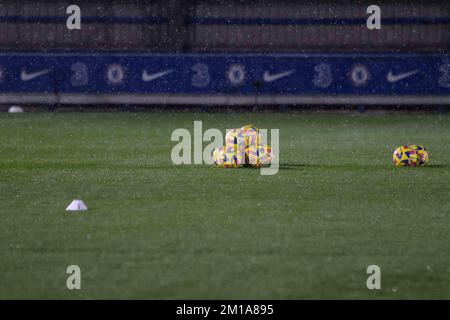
column 24, row 76
column 391, row 78
column 150, row 77
column 273, row 77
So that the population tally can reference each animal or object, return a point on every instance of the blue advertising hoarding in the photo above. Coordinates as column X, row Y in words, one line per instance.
column 224, row 78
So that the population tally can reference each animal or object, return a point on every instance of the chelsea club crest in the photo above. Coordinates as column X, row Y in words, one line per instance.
column 236, row 74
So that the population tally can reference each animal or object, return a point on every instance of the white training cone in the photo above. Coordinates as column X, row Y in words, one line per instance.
column 15, row 109
column 76, row 205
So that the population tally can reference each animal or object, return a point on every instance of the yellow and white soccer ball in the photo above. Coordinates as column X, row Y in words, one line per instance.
column 261, row 156
column 411, row 155
column 224, row 159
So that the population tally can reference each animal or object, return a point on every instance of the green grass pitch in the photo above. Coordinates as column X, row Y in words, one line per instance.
column 155, row 230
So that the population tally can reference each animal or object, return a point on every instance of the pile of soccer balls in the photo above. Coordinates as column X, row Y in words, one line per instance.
column 410, row 156
column 243, row 148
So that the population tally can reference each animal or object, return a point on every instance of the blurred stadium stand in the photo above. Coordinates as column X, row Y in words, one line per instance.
column 233, row 25
column 209, row 52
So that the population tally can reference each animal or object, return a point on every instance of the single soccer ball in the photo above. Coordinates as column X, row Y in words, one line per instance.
column 266, row 155
column 259, row 157
column 224, row 159
column 234, row 149
column 411, row 155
